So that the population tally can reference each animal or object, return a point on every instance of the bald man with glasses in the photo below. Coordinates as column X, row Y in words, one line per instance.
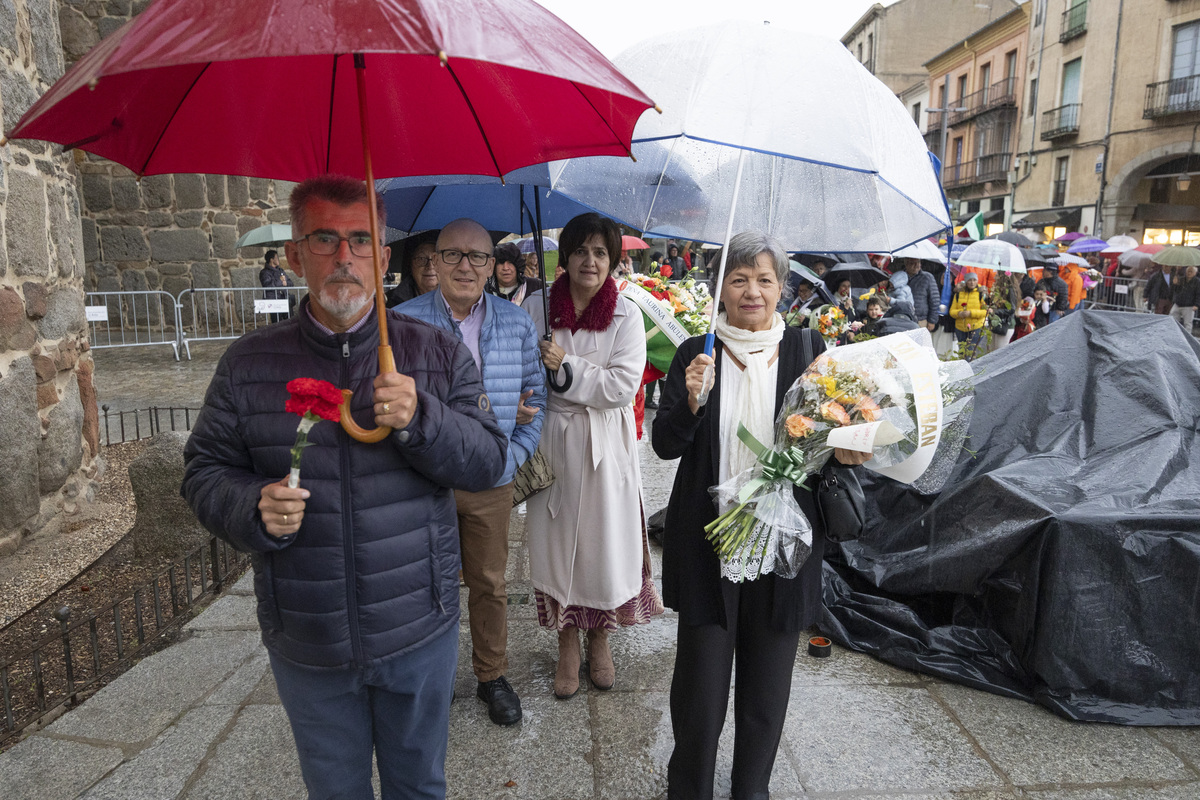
column 503, row 344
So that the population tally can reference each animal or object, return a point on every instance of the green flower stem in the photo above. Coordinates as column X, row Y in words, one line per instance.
column 306, row 422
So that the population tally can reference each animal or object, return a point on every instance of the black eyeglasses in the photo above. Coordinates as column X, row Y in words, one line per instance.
column 421, row 261
column 478, row 258
column 326, row 244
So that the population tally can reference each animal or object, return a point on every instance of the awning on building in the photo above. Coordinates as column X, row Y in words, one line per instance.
column 1166, row 212
column 1051, row 217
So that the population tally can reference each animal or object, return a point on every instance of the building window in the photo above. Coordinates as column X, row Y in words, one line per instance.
column 860, row 58
column 1010, row 65
column 871, row 48
column 972, row 206
column 1039, row 12
column 962, row 88
column 916, row 112
column 1185, row 56
column 1070, row 82
column 1188, row 237
column 1032, row 96
column 942, row 98
column 1160, row 190
column 1061, row 168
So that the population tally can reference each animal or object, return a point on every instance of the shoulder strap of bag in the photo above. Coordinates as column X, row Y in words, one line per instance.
column 808, row 348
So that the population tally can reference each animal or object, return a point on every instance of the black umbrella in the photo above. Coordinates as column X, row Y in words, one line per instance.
column 861, row 275
column 1012, row 237
column 1034, row 258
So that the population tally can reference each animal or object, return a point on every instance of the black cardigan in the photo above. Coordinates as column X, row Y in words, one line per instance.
column 691, row 570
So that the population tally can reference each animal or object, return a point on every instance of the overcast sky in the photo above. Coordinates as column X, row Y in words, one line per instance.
column 613, row 25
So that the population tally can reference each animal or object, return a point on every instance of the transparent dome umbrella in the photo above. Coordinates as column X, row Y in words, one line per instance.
column 992, row 254
column 790, row 135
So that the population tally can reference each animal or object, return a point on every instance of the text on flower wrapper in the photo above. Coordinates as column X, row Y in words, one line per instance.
column 922, row 368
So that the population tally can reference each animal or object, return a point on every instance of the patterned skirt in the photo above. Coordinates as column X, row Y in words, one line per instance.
column 636, row 611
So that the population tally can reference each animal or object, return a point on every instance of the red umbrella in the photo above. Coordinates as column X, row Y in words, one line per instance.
column 632, row 243
column 282, row 88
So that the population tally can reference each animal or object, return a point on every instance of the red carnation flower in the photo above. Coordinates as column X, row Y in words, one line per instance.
column 314, row 401
column 666, row 272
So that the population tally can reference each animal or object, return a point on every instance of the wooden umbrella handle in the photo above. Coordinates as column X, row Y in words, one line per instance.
column 387, row 362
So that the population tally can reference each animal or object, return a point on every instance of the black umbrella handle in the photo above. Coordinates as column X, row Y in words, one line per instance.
column 568, row 378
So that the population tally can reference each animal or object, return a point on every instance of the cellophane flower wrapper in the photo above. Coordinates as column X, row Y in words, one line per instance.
column 851, row 385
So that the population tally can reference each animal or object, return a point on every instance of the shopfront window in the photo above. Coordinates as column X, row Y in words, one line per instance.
column 1189, row 237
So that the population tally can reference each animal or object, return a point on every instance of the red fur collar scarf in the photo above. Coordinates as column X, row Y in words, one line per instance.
column 596, row 317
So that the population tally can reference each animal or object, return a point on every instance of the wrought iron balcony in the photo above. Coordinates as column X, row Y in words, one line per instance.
column 1074, row 22
column 993, row 167
column 1061, row 121
column 1172, row 97
column 958, row 174
column 1002, row 94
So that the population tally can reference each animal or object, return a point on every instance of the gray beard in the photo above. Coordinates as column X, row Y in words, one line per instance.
column 340, row 302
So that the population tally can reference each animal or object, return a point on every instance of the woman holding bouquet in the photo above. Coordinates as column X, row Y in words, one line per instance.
column 757, row 358
column 589, row 559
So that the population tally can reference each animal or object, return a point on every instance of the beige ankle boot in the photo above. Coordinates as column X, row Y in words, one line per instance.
column 566, row 679
column 600, row 660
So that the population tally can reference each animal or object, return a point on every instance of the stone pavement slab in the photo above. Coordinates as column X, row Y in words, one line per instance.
column 42, row 768
column 255, row 761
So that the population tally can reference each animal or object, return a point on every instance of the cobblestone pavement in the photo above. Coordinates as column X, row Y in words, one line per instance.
column 202, row 718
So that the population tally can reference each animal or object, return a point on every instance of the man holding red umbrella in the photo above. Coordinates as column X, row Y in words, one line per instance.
column 356, row 569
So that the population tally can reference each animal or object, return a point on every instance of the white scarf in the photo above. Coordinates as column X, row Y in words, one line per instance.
column 756, row 404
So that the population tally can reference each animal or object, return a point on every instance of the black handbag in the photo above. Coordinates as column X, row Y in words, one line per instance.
column 842, row 504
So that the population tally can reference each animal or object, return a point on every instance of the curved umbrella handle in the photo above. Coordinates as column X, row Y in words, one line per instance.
column 568, row 378
column 386, row 364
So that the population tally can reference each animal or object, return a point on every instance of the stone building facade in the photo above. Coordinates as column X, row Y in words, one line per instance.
column 48, row 417
column 71, row 223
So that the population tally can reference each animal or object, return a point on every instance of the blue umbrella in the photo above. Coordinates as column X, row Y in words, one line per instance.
column 1089, row 245
column 530, row 245
column 430, row 202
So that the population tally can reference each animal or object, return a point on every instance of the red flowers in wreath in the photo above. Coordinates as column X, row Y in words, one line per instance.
column 666, row 271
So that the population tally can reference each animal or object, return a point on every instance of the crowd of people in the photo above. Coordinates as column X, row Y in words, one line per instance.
column 357, row 567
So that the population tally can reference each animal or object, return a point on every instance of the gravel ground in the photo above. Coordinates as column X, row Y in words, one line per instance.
column 48, row 560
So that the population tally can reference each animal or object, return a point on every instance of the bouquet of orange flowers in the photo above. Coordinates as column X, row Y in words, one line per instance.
column 829, row 321
column 891, row 397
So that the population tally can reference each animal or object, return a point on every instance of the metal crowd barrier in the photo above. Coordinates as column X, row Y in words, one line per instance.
column 213, row 314
column 132, row 318
column 1118, row 294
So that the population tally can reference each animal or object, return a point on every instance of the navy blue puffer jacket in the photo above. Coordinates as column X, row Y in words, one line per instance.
column 373, row 570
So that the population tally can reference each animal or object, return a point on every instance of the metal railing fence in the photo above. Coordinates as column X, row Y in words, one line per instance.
column 1118, row 294
column 142, row 423
column 83, row 652
column 132, row 318
column 229, row 313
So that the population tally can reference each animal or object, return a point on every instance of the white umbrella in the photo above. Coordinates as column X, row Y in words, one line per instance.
column 1121, row 244
column 790, row 135
column 1135, row 259
column 1070, row 258
column 265, row 235
column 924, row 250
column 992, row 254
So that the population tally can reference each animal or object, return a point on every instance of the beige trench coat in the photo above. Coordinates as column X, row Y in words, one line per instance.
column 585, row 531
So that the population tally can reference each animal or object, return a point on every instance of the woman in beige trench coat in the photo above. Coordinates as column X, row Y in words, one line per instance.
column 588, row 555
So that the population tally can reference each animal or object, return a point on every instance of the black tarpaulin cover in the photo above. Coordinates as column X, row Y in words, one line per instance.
column 1061, row 562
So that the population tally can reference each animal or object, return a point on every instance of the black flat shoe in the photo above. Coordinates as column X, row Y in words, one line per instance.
column 504, row 707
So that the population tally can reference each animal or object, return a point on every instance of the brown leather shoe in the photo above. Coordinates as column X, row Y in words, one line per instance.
column 600, row 661
column 566, row 678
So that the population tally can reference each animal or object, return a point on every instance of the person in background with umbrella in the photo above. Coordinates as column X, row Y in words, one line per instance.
column 842, row 293
column 419, row 275
column 969, row 310
column 503, row 344
column 589, row 558
column 1056, row 292
column 507, row 281
column 363, row 659
column 1185, row 297
column 1158, row 290
column 758, row 622
column 675, row 262
column 926, row 297
column 273, row 275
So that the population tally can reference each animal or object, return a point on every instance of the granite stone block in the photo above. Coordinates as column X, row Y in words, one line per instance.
column 256, row 761
column 42, row 768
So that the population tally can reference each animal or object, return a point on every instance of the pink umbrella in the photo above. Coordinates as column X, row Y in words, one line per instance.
column 282, row 89
column 632, row 243
column 1070, row 237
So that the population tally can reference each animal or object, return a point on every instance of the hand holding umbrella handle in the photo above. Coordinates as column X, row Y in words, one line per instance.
column 386, row 364
column 568, row 375
column 702, row 398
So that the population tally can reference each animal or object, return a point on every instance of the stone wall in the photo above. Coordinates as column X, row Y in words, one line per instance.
column 168, row 232
column 48, row 418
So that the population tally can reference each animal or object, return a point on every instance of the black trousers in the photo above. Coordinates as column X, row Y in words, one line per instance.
column 704, row 660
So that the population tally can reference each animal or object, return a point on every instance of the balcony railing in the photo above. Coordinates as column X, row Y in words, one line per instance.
column 1061, row 121
column 1172, row 97
column 999, row 95
column 993, row 167
column 1074, row 22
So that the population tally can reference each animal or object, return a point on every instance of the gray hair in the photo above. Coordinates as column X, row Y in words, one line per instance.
column 744, row 248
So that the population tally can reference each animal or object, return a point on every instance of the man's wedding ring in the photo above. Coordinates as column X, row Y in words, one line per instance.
column 386, row 408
